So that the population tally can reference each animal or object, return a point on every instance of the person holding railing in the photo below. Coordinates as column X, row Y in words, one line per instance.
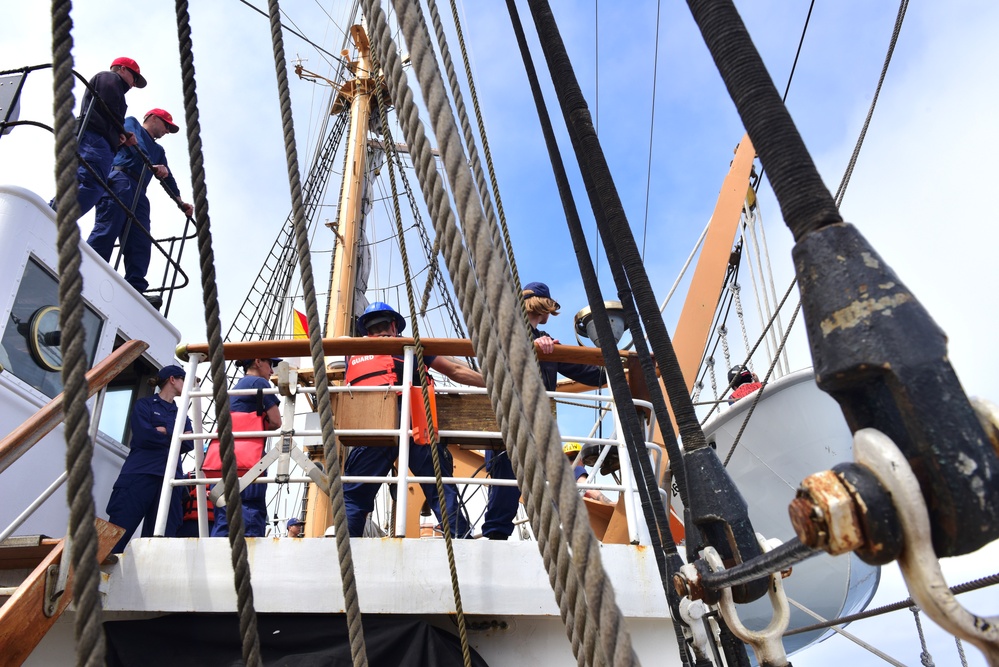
column 102, row 135
column 127, row 183
column 136, row 492
column 262, row 410
column 380, row 320
column 501, row 508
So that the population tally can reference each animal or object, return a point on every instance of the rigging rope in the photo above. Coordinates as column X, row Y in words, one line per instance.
column 652, row 128
column 425, row 389
column 234, row 505
column 473, row 159
column 485, row 141
column 332, row 460
column 616, row 234
column 925, row 659
column 82, row 541
column 502, row 342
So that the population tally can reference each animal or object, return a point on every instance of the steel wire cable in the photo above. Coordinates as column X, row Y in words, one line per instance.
column 966, row 587
column 664, row 549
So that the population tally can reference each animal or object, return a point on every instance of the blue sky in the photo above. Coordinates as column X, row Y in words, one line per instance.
column 920, row 191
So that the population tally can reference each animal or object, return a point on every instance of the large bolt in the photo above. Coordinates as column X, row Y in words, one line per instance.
column 824, row 515
column 687, row 583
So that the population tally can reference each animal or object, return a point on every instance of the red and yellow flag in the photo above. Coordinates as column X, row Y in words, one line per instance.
column 301, row 325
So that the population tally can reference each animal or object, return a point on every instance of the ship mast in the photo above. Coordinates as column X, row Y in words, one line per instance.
column 358, row 93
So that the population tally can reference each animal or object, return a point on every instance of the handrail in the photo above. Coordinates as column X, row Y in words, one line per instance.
column 172, row 263
column 458, row 347
column 25, row 436
column 634, row 532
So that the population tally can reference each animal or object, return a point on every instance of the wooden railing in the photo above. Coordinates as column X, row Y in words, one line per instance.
column 25, row 436
column 458, row 347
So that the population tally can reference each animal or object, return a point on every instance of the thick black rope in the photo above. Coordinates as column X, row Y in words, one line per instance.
column 667, row 557
column 213, row 324
column 335, row 490
column 90, row 643
column 805, row 202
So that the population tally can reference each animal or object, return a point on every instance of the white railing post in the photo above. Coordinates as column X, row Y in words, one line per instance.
column 635, row 534
column 198, row 420
column 163, row 511
column 402, row 488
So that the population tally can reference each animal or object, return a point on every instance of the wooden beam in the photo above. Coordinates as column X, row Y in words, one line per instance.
column 23, row 623
column 456, row 347
column 25, row 436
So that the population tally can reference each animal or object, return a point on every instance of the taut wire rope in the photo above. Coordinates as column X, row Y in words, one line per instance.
column 332, row 460
column 234, row 506
column 82, row 538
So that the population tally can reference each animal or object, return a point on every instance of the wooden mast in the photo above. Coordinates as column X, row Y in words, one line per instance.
column 340, row 310
column 694, row 325
column 358, row 92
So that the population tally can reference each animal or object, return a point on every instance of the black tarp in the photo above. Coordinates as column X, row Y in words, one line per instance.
column 286, row 640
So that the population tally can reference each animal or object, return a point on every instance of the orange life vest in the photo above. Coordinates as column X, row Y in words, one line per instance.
column 373, row 370
column 191, row 505
column 381, row 370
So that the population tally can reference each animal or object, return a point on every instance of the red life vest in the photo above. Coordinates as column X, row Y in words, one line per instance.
column 191, row 505
column 744, row 390
column 248, row 450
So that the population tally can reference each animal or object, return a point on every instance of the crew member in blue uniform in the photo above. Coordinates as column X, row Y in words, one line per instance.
column 136, row 493
column 380, row 320
column 128, row 182
column 102, row 136
column 501, row 508
column 256, row 374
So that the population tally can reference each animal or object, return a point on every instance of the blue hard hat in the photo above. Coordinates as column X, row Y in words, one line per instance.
column 380, row 312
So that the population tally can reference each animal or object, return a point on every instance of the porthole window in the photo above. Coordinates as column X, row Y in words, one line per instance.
column 31, row 336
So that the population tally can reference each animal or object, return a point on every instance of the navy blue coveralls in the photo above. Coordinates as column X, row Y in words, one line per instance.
column 136, row 492
column 359, row 498
column 110, row 219
column 99, row 141
column 254, row 496
column 503, row 503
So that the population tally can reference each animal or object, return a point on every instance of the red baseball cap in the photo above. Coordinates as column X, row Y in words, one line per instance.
column 131, row 65
column 163, row 116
